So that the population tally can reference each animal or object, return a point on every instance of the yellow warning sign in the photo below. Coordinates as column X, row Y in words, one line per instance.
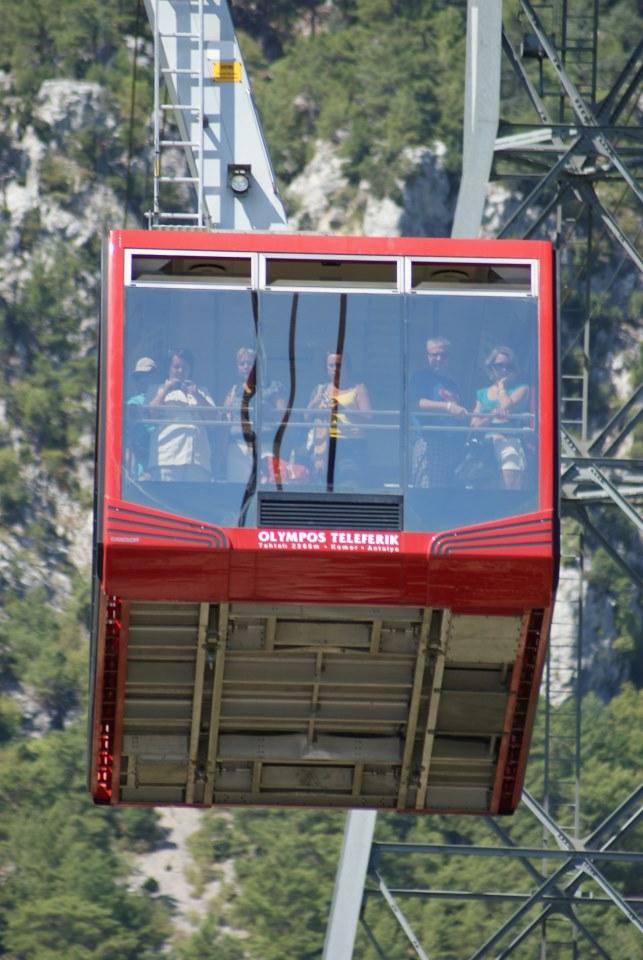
column 227, row 71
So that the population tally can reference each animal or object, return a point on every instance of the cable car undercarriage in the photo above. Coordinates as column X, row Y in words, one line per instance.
column 391, row 708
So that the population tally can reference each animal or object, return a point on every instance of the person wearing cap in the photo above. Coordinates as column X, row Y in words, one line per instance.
column 137, row 449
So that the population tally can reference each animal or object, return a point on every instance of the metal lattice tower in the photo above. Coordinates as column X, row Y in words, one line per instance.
column 572, row 157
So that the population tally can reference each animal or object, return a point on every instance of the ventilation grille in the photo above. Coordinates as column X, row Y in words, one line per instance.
column 330, row 511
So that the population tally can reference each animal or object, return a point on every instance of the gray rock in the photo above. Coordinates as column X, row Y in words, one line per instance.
column 322, row 199
column 70, row 106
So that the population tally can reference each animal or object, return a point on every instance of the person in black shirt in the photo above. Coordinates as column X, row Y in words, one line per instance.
column 435, row 406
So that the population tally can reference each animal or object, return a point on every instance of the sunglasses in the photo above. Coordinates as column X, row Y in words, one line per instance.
column 502, row 366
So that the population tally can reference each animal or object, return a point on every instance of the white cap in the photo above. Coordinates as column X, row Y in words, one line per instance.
column 144, row 365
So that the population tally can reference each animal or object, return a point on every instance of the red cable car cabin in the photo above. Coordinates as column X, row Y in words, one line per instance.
column 326, row 533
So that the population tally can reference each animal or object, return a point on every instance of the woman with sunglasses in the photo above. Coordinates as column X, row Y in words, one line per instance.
column 502, row 403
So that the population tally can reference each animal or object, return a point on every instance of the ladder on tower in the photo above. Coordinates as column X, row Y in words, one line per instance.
column 202, row 94
column 578, row 48
column 574, row 375
column 179, row 82
column 572, row 26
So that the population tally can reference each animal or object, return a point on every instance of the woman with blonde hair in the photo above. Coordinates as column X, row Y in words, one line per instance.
column 339, row 408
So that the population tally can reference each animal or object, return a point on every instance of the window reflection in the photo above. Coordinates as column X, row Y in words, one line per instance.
column 178, row 429
column 472, row 401
column 338, row 357
column 432, row 398
column 239, row 413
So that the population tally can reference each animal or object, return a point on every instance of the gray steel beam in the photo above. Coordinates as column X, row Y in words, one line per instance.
column 551, row 901
column 550, row 177
column 597, row 442
column 595, row 475
column 580, row 108
column 521, row 912
column 588, row 194
column 349, row 885
column 555, row 900
column 583, row 191
column 481, row 112
column 401, row 919
column 537, row 922
column 583, row 516
column 197, row 57
column 587, row 858
column 610, row 821
column 372, row 939
column 572, row 885
column 571, row 858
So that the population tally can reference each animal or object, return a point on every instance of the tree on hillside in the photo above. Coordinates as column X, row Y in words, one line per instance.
column 63, row 891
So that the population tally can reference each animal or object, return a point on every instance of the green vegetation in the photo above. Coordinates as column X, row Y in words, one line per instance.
column 47, row 388
column 62, row 879
column 374, row 77
column 382, row 76
column 78, row 39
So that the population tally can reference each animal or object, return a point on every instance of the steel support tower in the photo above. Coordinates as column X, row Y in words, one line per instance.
column 570, row 152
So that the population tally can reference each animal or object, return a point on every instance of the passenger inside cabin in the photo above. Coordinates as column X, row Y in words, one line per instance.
column 138, row 434
column 505, row 402
column 436, row 407
column 180, row 448
column 339, row 408
column 238, row 411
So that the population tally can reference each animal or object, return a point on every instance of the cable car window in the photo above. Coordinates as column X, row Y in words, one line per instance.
column 196, row 270
column 311, row 272
column 298, row 394
column 472, row 401
column 331, row 374
column 189, row 367
column 442, row 276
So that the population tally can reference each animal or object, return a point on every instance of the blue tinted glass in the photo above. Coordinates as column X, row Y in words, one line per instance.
column 472, row 441
column 187, row 425
column 330, row 375
column 228, row 394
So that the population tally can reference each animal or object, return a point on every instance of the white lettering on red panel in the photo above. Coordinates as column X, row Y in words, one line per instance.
column 355, row 541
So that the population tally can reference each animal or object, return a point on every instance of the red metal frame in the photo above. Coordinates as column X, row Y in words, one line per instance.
column 501, row 567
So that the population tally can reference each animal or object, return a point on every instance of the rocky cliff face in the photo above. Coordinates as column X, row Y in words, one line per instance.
column 322, row 198
column 50, row 191
column 54, row 205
